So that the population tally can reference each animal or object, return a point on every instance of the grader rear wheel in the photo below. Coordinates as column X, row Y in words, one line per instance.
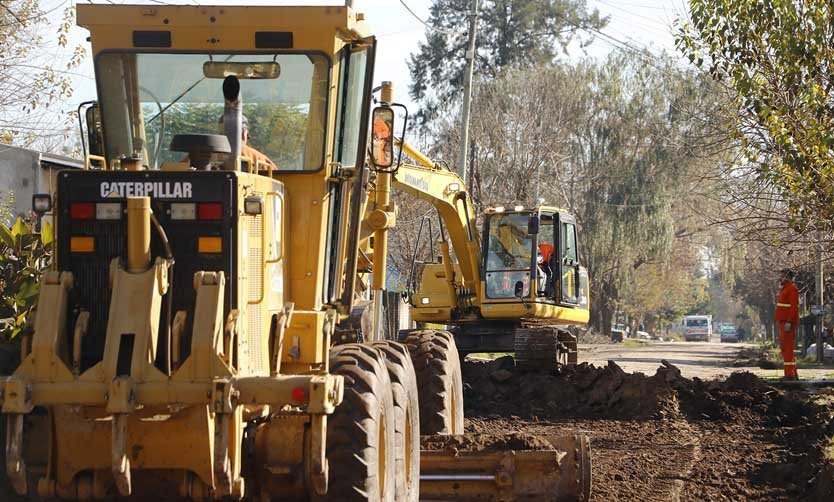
column 407, row 428
column 439, row 383
column 360, row 433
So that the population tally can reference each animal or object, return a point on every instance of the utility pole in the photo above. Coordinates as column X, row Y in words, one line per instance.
column 820, row 302
column 467, row 93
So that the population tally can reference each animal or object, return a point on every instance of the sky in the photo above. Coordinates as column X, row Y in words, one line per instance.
column 637, row 23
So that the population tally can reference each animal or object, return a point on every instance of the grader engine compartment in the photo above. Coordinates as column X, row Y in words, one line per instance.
column 197, row 212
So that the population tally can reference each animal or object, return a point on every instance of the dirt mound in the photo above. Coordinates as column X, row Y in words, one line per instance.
column 662, row 437
column 485, row 442
column 497, row 388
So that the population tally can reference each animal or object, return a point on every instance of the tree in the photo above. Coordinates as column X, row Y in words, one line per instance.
column 663, row 291
column 510, row 33
column 621, row 145
column 777, row 57
column 31, row 78
column 276, row 129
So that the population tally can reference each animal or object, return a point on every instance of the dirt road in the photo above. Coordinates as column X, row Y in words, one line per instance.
column 694, row 359
column 706, row 360
column 657, row 432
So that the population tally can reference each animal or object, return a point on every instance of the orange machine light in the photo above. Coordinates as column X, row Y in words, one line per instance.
column 210, row 245
column 82, row 244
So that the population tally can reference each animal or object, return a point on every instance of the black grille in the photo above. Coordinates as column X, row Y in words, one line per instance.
column 91, row 289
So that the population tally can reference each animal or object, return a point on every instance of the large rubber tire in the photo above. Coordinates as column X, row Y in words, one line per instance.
column 407, row 410
column 360, row 432
column 439, row 383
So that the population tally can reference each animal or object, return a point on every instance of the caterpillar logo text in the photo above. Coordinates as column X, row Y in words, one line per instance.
column 155, row 189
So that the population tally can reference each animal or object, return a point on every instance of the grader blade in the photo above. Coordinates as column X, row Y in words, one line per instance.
column 560, row 474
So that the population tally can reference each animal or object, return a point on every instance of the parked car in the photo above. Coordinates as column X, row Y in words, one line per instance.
column 728, row 334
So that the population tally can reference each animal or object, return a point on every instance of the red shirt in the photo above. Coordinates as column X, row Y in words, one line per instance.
column 787, row 305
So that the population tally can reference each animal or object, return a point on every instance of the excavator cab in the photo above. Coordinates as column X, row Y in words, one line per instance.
column 532, row 254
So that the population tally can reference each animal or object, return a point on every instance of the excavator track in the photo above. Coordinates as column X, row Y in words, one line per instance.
column 540, row 348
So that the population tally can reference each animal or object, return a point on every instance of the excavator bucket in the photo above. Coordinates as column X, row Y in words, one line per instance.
column 562, row 473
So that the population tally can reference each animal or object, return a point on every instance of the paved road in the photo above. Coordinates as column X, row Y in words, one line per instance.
column 695, row 359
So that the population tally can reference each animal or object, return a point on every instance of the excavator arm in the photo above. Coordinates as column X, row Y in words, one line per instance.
column 445, row 190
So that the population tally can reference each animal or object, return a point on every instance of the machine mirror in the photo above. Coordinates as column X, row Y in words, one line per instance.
column 519, row 289
column 533, row 224
column 253, row 70
column 95, row 138
column 382, row 138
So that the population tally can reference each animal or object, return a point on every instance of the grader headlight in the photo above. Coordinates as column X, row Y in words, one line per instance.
column 41, row 203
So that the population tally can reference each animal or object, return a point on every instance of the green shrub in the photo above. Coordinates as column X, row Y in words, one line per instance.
column 25, row 255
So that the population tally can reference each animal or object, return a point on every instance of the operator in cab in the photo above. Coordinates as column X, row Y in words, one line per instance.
column 248, row 151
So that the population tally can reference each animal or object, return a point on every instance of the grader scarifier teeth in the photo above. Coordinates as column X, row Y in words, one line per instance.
column 561, row 474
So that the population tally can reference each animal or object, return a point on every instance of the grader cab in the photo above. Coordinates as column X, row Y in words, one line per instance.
column 209, row 259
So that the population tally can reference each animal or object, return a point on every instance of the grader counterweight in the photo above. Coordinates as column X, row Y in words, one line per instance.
column 202, row 333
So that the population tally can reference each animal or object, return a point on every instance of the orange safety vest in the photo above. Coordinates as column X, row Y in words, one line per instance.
column 787, row 305
column 546, row 250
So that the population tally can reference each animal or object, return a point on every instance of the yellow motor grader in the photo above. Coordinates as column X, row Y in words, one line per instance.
column 211, row 324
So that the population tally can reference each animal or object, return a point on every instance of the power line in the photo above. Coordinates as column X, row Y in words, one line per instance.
column 427, row 25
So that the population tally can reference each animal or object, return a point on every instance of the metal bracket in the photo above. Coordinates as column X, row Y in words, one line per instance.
column 339, row 173
column 284, row 320
column 504, row 477
column 326, row 393
column 15, row 466
column 81, row 325
column 17, row 396
column 121, row 398
column 223, row 403
column 318, row 442
column 120, row 462
column 229, row 334
column 177, row 330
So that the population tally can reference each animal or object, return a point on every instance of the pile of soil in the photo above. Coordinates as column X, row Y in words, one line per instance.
column 664, row 436
column 486, row 442
column 757, row 357
column 593, row 337
column 497, row 388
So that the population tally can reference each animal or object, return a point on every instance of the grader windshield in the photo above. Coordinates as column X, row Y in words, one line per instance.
column 147, row 98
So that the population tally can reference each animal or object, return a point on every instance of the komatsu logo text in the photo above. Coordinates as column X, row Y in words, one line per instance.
column 156, row 189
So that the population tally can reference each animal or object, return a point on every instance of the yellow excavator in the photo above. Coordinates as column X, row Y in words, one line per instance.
column 211, row 325
column 516, row 289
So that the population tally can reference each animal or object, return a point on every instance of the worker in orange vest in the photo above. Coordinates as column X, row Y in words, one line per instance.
column 787, row 319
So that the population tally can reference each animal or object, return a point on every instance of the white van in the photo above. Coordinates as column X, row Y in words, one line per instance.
column 697, row 328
